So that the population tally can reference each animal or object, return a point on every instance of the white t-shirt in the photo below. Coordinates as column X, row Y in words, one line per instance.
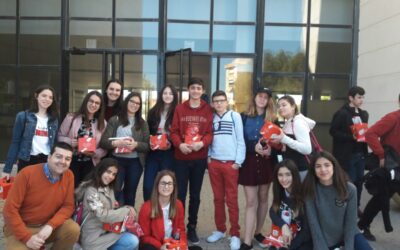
column 167, row 221
column 40, row 141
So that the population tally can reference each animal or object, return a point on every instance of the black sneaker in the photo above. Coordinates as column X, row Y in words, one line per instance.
column 244, row 246
column 368, row 235
column 260, row 238
column 192, row 236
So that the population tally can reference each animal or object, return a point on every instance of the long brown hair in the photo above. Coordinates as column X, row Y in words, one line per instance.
column 99, row 115
column 339, row 177
column 155, row 112
column 279, row 191
column 269, row 111
column 156, row 209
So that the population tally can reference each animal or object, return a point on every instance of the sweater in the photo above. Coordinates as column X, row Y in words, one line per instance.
column 200, row 119
column 387, row 130
column 153, row 229
column 344, row 144
column 34, row 200
column 228, row 130
column 332, row 221
column 303, row 235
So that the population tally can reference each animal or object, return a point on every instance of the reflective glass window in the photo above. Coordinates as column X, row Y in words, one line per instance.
column 235, row 10
column 40, row 42
column 8, row 8
column 90, row 34
column 189, row 9
column 332, row 12
column 234, row 38
column 325, row 96
column 286, row 11
column 85, row 74
column 194, row 36
column 285, row 85
column 137, row 35
column 7, row 41
column 137, row 8
column 8, row 107
column 40, row 8
column 284, row 49
column 90, row 8
column 330, row 50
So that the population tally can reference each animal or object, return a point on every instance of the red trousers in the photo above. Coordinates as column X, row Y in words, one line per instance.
column 224, row 183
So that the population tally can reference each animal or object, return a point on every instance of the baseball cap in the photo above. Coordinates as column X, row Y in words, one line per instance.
column 264, row 90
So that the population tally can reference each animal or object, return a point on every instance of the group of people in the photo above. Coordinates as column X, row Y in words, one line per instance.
column 314, row 202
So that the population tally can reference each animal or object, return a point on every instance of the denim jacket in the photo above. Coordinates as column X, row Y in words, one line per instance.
column 21, row 141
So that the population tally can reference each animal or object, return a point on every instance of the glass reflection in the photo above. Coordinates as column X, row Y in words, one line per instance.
column 7, row 41
column 40, row 8
column 286, row 11
column 234, row 38
column 90, row 8
column 194, row 36
column 332, row 12
column 8, row 8
column 330, row 50
column 90, row 34
column 137, row 8
column 137, row 35
column 235, row 10
column 189, row 9
column 284, row 49
column 40, row 42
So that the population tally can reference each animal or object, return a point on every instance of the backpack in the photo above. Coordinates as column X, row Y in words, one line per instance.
column 77, row 216
column 315, row 146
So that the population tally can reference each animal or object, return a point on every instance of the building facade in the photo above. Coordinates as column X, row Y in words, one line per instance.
column 305, row 48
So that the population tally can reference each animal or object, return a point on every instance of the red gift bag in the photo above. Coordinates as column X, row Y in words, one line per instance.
column 175, row 244
column 5, row 186
column 359, row 130
column 192, row 135
column 122, row 150
column 159, row 142
column 86, row 144
column 269, row 129
column 133, row 226
column 117, row 227
column 275, row 237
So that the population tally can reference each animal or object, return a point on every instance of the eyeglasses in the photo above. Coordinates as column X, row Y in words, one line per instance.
column 166, row 184
column 91, row 102
column 219, row 101
column 133, row 102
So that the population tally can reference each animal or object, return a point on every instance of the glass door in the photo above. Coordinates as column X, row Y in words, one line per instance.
column 91, row 70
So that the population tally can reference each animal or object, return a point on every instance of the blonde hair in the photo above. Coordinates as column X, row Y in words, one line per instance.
column 269, row 111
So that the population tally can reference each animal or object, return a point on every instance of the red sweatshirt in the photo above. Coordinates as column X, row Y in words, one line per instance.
column 34, row 200
column 388, row 130
column 153, row 229
column 188, row 118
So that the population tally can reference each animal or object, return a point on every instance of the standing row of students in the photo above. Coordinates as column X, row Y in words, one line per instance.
column 223, row 141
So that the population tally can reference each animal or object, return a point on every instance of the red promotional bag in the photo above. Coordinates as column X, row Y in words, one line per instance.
column 5, row 186
column 133, row 226
column 359, row 130
column 175, row 244
column 122, row 150
column 192, row 135
column 159, row 142
column 269, row 129
column 86, row 144
column 275, row 237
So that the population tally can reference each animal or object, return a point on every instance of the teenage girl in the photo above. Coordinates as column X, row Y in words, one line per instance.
column 34, row 131
column 159, row 120
column 112, row 98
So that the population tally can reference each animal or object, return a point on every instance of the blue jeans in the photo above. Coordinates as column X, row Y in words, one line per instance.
column 129, row 173
column 156, row 161
column 360, row 243
column 355, row 170
column 127, row 241
column 192, row 173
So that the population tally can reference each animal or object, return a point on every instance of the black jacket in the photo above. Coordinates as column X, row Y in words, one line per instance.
column 344, row 144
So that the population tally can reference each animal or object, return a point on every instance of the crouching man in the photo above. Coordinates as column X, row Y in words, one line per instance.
column 40, row 203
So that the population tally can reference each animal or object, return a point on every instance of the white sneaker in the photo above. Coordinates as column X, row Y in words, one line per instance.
column 235, row 243
column 215, row 236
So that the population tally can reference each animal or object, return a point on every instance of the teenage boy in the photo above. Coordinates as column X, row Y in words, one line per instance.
column 349, row 152
column 223, row 167
column 39, row 206
column 384, row 132
column 191, row 134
